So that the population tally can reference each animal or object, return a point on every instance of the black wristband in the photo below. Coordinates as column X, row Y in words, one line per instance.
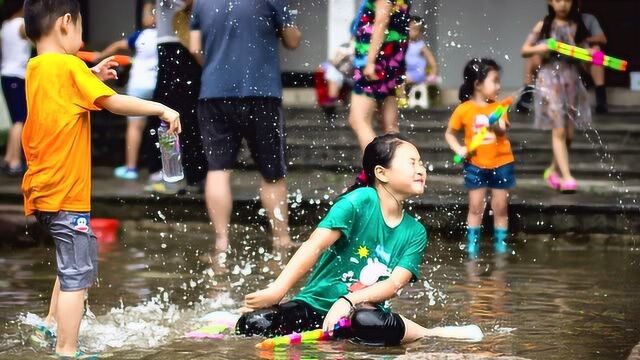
column 347, row 300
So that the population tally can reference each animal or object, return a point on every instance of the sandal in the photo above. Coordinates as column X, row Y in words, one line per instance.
column 569, row 186
column 552, row 179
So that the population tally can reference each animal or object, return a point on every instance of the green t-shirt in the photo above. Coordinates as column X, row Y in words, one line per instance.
column 367, row 251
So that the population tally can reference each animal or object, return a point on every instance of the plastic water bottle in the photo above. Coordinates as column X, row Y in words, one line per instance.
column 170, row 152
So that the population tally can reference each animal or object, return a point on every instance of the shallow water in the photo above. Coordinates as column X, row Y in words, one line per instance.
column 545, row 300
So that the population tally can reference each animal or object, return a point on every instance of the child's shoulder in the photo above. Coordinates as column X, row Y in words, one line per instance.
column 464, row 107
column 60, row 61
column 364, row 196
column 413, row 226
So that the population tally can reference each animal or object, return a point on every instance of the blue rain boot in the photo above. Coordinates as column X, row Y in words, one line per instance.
column 473, row 241
column 500, row 240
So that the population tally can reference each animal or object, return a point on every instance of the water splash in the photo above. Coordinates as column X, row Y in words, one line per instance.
column 144, row 326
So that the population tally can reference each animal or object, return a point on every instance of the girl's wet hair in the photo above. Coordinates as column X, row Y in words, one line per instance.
column 574, row 15
column 475, row 70
column 379, row 152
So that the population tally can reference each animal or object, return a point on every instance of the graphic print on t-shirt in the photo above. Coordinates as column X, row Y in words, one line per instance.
column 372, row 271
column 480, row 122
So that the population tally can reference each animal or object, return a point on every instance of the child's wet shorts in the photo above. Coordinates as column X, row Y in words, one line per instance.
column 502, row 177
column 76, row 248
column 370, row 326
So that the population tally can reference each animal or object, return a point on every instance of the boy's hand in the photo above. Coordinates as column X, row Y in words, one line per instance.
column 172, row 118
column 264, row 298
column 105, row 69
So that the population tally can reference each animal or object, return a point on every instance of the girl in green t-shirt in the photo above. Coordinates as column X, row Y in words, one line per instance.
column 363, row 252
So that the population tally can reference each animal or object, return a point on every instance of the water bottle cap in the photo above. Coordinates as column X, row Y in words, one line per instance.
column 164, row 125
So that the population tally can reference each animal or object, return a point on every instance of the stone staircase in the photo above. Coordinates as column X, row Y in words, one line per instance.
column 608, row 150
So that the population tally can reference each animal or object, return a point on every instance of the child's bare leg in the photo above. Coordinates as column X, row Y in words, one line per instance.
column 477, row 204
column 499, row 206
column 13, row 156
column 414, row 332
column 70, row 306
column 50, row 320
column 560, row 152
column 333, row 89
column 360, row 116
column 571, row 131
column 389, row 119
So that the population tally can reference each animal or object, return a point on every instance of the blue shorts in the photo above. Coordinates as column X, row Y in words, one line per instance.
column 502, row 177
column 14, row 94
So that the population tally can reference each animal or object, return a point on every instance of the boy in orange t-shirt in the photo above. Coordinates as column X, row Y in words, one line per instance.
column 490, row 165
column 61, row 91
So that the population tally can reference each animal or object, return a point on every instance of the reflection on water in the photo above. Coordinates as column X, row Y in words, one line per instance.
column 544, row 302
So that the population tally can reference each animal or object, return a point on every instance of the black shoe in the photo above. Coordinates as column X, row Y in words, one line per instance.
column 525, row 103
column 602, row 109
column 601, row 100
column 14, row 171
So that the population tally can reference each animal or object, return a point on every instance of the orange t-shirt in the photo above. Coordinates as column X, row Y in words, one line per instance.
column 61, row 91
column 495, row 150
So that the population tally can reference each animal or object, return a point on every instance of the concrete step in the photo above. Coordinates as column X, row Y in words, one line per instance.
column 316, row 142
column 432, row 134
column 348, row 154
column 600, row 207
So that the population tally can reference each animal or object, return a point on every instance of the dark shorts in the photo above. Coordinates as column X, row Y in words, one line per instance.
column 225, row 122
column 368, row 326
column 14, row 94
column 502, row 178
column 76, row 248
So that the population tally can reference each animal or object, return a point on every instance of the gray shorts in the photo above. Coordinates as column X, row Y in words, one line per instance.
column 76, row 248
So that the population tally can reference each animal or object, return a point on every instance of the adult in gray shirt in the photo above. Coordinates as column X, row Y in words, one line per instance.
column 240, row 98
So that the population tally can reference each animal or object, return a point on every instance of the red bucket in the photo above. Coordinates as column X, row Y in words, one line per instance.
column 106, row 230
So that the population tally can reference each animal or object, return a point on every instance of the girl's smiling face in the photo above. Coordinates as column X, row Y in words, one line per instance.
column 406, row 175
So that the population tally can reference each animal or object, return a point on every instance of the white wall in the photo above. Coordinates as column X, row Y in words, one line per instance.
column 312, row 21
column 110, row 21
column 492, row 28
column 340, row 15
column 485, row 28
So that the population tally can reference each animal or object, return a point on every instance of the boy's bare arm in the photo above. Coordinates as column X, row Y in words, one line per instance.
column 132, row 106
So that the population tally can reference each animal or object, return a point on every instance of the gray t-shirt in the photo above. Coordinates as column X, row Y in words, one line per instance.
column 592, row 24
column 240, row 40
